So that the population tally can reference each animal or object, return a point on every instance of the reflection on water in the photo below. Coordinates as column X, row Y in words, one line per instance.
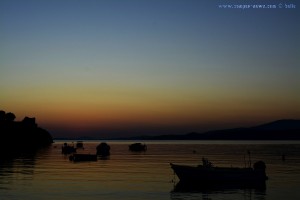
column 12, row 170
column 246, row 194
column 203, row 187
column 231, row 191
column 48, row 174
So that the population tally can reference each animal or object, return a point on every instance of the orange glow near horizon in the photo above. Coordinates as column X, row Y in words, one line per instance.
column 91, row 110
column 108, row 66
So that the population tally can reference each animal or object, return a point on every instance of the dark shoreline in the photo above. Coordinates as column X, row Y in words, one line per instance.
column 19, row 137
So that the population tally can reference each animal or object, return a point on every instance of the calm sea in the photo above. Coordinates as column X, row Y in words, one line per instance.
column 126, row 175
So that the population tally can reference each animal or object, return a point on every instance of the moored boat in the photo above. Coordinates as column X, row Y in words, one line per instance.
column 208, row 174
column 79, row 144
column 67, row 149
column 137, row 147
column 103, row 149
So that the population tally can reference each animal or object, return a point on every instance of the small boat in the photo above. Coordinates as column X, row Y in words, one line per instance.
column 103, row 149
column 67, row 149
column 83, row 157
column 79, row 144
column 138, row 147
column 208, row 174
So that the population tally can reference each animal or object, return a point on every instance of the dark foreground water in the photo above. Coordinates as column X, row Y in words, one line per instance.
column 126, row 175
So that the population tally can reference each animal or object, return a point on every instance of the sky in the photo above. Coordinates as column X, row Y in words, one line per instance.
column 111, row 68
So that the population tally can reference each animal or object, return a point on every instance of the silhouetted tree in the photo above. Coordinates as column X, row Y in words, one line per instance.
column 2, row 115
column 29, row 121
column 10, row 117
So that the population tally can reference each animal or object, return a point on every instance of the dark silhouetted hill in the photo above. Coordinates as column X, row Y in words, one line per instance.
column 278, row 130
column 21, row 136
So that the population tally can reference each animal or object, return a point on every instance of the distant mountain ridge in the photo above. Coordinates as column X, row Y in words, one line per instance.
column 284, row 124
column 285, row 129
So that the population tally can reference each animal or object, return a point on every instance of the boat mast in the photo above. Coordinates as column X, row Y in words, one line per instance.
column 249, row 155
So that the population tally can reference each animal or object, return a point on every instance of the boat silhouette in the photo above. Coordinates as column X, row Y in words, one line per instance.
column 138, row 147
column 208, row 175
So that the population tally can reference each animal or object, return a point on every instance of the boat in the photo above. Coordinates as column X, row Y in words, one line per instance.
column 67, row 149
column 208, row 174
column 79, row 144
column 103, row 149
column 76, row 157
column 137, row 147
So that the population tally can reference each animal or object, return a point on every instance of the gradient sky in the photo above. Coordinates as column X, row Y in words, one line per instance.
column 132, row 67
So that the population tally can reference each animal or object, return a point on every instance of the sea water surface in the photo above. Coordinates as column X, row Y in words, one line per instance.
column 125, row 175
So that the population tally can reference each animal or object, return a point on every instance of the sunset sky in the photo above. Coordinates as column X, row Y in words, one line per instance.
column 139, row 67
